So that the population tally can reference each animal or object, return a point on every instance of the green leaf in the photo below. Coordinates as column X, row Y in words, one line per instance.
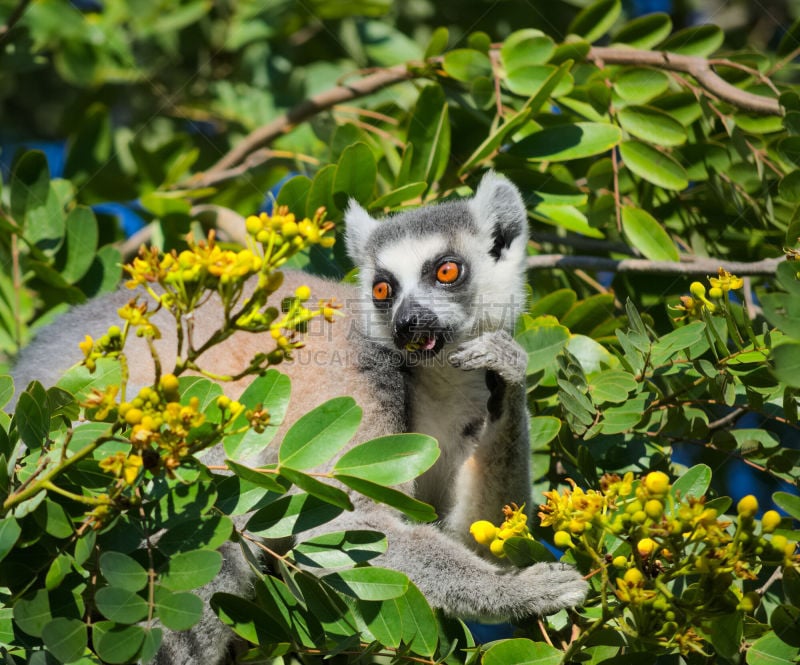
column 612, row 385
column 209, row 531
column 638, row 86
column 694, row 482
column 466, row 64
column 121, row 605
column 178, row 611
column 271, row 391
column 33, row 422
column 32, row 613
column 522, row 652
column 30, row 184
column 789, row 187
column 294, row 194
column 790, row 40
column 355, row 177
column 769, row 649
column 429, row 136
column 498, row 137
column 785, row 362
column 647, row 235
column 529, row 79
column 524, row 552
column 82, row 236
column 117, row 644
column 6, row 389
column 122, row 571
column 185, row 503
column 526, row 47
column 785, row 621
column 618, row 419
column 400, row 195
column 190, row 570
column 701, row 40
column 596, row 19
column 543, row 429
column 9, row 534
column 318, row 435
column 80, row 382
column 389, row 460
column 246, row 618
column 644, row 32
column 568, row 141
column 321, row 490
column 265, row 479
column 369, row 583
column 340, row 549
column 788, row 502
column 321, row 191
column 543, row 344
column 566, row 217
column 290, row 515
column 409, row 506
column 438, row 42
column 66, row 639
column 653, row 125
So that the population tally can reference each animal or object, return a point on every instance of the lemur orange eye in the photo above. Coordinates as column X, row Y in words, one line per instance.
column 448, row 272
column 381, row 290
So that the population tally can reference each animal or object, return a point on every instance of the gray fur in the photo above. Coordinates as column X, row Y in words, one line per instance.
column 469, row 394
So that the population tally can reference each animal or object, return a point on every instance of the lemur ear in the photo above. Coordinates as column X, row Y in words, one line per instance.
column 500, row 212
column 358, row 228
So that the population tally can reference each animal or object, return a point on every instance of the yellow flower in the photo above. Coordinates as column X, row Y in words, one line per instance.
column 726, row 282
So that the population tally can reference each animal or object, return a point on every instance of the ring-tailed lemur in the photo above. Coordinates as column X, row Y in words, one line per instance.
column 427, row 349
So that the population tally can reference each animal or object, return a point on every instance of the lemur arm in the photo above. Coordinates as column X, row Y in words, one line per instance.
column 498, row 471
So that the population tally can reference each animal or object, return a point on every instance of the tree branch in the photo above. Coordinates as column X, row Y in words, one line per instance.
column 699, row 68
column 232, row 163
column 694, row 267
column 263, row 136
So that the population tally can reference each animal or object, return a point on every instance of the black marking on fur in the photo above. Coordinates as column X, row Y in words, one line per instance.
column 497, row 391
column 472, row 428
column 502, row 240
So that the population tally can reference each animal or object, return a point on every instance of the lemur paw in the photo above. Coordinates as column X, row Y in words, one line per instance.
column 555, row 586
column 495, row 351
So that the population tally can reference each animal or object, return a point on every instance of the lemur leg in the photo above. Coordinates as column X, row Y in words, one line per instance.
column 498, row 471
column 459, row 581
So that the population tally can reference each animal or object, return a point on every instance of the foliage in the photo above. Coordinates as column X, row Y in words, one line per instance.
column 660, row 169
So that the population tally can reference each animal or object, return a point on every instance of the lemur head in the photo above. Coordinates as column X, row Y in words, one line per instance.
column 442, row 273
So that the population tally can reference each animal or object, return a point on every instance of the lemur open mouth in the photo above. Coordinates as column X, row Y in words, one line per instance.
column 425, row 343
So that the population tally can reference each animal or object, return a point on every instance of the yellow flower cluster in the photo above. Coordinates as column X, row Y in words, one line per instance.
column 694, row 304
column 515, row 525
column 576, row 512
column 159, row 428
column 282, row 228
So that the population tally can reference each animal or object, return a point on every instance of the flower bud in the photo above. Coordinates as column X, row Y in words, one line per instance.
column 562, row 539
column 496, row 548
column 657, row 482
column 645, row 547
column 654, row 508
column 302, row 293
column 770, row 521
column 620, row 562
column 483, row 531
column 633, row 576
column 747, row 506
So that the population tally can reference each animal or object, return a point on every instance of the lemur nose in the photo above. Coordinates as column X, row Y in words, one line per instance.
column 411, row 322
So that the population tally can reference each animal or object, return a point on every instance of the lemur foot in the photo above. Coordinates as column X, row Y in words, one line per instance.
column 554, row 586
column 495, row 351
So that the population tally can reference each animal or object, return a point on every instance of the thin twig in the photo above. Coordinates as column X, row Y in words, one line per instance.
column 693, row 267
column 698, row 68
column 14, row 18
column 263, row 136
